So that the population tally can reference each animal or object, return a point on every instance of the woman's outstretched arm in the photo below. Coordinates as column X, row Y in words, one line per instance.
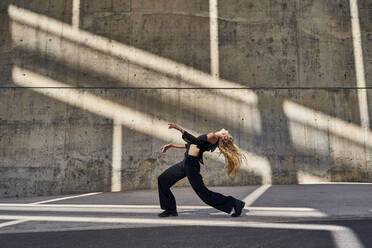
column 189, row 138
column 167, row 146
column 175, row 126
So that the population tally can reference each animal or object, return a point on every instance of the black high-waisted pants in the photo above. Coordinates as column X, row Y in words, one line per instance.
column 190, row 168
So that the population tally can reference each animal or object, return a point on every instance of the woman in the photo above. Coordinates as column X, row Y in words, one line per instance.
column 190, row 167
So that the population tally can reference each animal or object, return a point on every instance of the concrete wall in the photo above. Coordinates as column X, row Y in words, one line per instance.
column 87, row 94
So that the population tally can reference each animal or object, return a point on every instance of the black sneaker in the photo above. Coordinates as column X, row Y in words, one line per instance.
column 238, row 207
column 168, row 213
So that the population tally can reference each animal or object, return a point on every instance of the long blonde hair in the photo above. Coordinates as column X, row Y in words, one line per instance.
column 233, row 155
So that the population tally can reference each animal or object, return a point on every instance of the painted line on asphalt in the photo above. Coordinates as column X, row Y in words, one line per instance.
column 253, row 211
column 290, row 214
column 173, row 221
column 106, row 226
column 342, row 236
column 98, row 206
column 252, row 197
column 346, row 183
column 13, row 222
column 64, row 198
column 3, row 206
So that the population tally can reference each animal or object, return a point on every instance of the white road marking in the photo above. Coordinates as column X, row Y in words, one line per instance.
column 287, row 213
column 72, row 229
column 282, row 209
column 174, row 221
column 64, row 198
column 218, row 213
column 13, row 222
column 346, row 183
column 345, row 237
column 280, row 212
column 342, row 236
column 99, row 206
column 252, row 197
column 51, row 208
column 4, row 206
column 253, row 211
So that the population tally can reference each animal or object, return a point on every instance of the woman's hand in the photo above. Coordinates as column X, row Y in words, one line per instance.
column 164, row 148
column 175, row 126
column 172, row 125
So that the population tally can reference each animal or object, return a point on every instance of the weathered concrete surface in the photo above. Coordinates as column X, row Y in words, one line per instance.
column 295, row 108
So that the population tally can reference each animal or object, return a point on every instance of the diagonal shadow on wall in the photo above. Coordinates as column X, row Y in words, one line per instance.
column 275, row 142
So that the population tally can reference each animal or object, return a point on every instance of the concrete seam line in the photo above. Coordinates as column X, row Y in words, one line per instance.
column 188, row 88
column 64, row 198
column 252, row 197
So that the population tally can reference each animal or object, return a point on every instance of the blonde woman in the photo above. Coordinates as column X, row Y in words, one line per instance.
column 190, row 168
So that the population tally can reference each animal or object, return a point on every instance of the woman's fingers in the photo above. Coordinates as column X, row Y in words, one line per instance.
column 172, row 125
column 164, row 148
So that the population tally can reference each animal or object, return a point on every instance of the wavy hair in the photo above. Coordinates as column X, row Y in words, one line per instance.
column 233, row 155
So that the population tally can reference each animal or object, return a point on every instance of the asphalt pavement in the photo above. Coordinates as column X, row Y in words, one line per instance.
column 312, row 215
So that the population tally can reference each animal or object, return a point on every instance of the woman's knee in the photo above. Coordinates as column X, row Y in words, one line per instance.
column 163, row 180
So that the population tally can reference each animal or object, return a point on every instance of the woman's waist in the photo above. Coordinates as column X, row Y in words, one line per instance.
column 198, row 159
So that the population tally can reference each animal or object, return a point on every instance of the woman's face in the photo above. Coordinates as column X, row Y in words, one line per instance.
column 224, row 133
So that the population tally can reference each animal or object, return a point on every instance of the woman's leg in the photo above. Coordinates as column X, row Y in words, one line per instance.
column 214, row 199
column 166, row 180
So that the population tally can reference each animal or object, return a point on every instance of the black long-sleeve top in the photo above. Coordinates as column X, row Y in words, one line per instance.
column 201, row 142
